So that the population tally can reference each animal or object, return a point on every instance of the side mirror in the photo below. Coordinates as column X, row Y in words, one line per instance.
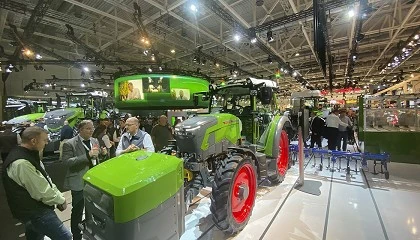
column 266, row 95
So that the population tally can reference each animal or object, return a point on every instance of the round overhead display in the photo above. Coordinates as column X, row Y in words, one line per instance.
column 159, row 91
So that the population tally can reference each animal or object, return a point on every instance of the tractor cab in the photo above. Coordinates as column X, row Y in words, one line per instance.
column 251, row 100
column 92, row 103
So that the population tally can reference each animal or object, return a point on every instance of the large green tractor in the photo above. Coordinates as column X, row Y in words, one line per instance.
column 229, row 149
column 233, row 146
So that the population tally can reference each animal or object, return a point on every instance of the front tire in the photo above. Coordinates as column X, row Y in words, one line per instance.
column 233, row 193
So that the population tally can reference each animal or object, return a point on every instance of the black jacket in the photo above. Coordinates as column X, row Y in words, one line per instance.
column 317, row 125
column 22, row 205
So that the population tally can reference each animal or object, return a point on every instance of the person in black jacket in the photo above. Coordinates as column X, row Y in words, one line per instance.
column 30, row 193
column 8, row 140
column 316, row 125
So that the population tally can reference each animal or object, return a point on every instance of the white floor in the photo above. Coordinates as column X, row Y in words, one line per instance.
column 330, row 205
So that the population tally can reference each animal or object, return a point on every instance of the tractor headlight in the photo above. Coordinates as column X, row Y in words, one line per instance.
column 191, row 129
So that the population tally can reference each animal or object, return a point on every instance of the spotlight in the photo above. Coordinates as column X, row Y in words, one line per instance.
column 253, row 40
column 82, row 85
column 217, row 65
column 360, row 37
column 107, row 85
column 416, row 37
column 86, row 69
column 173, row 51
column 270, row 36
column 193, row 8
column 269, row 59
column 37, row 56
column 237, row 37
column 47, row 85
column 28, row 52
column 149, row 69
column 153, row 58
column 297, row 54
column 351, row 13
column 259, row 3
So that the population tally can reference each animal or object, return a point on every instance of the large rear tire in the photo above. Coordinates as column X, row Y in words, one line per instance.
column 233, row 193
column 282, row 160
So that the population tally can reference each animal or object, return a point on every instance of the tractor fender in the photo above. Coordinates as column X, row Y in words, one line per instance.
column 283, row 124
column 249, row 152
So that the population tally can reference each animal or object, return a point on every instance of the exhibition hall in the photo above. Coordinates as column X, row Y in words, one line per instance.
column 209, row 119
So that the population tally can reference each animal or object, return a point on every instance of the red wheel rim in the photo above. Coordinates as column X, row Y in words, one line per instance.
column 243, row 193
column 283, row 157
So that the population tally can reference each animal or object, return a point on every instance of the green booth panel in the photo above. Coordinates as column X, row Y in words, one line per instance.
column 403, row 147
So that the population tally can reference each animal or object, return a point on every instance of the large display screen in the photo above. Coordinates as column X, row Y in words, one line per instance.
column 159, row 91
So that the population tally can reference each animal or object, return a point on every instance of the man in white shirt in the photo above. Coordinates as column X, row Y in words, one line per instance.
column 342, row 131
column 134, row 138
column 333, row 121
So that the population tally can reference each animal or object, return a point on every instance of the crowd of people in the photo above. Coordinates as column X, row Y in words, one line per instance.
column 31, row 194
column 338, row 127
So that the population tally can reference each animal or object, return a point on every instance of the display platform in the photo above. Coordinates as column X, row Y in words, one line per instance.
column 322, row 209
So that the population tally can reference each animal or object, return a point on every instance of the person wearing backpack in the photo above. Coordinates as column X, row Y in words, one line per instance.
column 134, row 138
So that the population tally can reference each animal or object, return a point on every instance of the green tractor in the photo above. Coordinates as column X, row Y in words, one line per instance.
column 229, row 149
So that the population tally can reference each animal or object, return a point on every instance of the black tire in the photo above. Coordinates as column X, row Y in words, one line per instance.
column 275, row 176
column 222, row 196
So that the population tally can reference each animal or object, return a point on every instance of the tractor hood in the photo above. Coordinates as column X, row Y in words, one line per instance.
column 207, row 134
column 195, row 124
column 25, row 118
column 55, row 119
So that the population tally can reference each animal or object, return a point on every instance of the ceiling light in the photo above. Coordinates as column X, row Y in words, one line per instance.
column 86, row 69
column 107, row 85
column 193, row 8
column 37, row 56
column 217, row 65
column 45, row 93
column 295, row 74
column 270, row 36
column 149, row 69
column 146, row 52
column 351, row 13
column 173, row 51
column 47, row 85
column 82, row 85
column 269, row 59
column 153, row 58
column 253, row 40
column 297, row 54
column 237, row 37
column 416, row 37
column 28, row 52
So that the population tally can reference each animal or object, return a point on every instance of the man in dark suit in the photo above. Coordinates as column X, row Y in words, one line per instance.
column 79, row 154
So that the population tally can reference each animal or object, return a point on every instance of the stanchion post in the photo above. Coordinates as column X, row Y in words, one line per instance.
column 301, row 158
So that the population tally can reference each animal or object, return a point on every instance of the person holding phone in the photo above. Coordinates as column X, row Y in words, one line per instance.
column 80, row 154
column 134, row 138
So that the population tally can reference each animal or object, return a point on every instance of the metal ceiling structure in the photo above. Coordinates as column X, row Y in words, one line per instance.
column 223, row 30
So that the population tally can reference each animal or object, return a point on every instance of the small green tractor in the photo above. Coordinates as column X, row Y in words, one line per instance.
column 239, row 142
